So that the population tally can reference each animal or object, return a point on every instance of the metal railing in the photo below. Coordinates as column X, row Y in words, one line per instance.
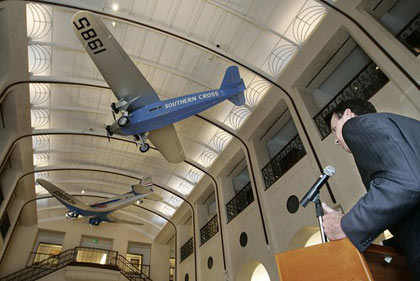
column 283, row 161
column 366, row 83
column 411, row 33
column 209, row 230
column 187, row 249
column 43, row 268
column 132, row 272
column 80, row 256
column 239, row 203
column 36, row 257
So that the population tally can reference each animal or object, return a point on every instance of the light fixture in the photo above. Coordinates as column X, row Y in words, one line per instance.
column 113, row 24
column 138, row 202
column 115, row 7
column 83, row 192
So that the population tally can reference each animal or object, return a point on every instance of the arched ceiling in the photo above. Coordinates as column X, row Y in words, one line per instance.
column 261, row 35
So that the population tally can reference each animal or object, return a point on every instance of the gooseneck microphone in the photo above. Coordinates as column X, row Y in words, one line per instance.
column 329, row 171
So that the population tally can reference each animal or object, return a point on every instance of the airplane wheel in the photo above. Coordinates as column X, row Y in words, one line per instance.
column 123, row 121
column 144, row 147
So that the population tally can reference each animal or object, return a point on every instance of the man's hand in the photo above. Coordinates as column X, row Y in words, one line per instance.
column 332, row 223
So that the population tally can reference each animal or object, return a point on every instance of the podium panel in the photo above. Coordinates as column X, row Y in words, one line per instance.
column 340, row 260
column 335, row 260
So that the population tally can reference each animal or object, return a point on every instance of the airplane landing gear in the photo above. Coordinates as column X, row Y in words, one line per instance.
column 144, row 147
column 94, row 221
column 114, row 108
column 72, row 215
column 141, row 142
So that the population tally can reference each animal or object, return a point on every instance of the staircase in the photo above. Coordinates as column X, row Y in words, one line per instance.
column 80, row 256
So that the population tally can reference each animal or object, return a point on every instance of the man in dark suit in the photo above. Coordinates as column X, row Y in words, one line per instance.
column 386, row 149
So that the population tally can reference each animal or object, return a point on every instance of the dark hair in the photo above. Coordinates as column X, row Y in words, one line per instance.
column 357, row 106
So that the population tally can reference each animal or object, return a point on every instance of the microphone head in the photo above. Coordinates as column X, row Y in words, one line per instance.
column 329, row 171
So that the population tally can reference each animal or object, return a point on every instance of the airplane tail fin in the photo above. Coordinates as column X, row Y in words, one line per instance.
column 144, row 187
column 140, row 189
column 232, row 80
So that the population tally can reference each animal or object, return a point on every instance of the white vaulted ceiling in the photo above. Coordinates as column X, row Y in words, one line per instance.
column 205, row 38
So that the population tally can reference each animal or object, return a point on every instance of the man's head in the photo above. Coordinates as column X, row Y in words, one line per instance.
column 344, row 112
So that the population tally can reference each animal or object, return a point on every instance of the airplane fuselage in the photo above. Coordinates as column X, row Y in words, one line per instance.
column 102, row 209
column 162, row 113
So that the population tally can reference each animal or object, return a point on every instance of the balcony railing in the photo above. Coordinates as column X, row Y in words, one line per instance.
column 239, row 203
column 187, row 249
column 410, row 34
column 209, row 230
column 81, row 256
column 283, row 161
column 367, row 83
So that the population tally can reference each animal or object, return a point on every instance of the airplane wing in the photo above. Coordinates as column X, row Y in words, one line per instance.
column 114, row 219
column 154, row 197
column 66, row 199
column 166, row 141
column 124, row 78
column 118, row 70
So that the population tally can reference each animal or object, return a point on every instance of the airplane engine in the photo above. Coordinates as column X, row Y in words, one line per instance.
column 72, row 215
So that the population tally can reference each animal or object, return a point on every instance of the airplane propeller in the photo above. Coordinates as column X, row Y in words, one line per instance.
column 108, row 132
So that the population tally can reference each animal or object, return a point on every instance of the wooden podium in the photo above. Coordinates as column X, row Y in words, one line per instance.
column 341, row 261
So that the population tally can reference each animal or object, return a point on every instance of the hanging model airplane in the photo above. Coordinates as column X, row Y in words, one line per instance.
column 143, row 114
column 101, row 211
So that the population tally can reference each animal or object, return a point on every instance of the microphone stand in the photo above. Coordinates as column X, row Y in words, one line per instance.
column 319, row 213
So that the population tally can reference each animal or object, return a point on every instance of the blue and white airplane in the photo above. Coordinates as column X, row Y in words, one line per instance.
column 143, row 114
column 101, row 211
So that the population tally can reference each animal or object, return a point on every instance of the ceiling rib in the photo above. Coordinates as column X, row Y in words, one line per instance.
column 120, row 155
column 135, row 58
column 163, row 29
column 249, row 20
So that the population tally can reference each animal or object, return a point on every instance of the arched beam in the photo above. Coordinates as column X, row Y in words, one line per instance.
column 116, row 155
column 251, row 21
column 182, row 36
column 107, row 112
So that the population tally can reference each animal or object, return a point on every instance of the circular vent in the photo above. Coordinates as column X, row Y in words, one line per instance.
column 243, row 239
column 210, row 262
column 292, row 204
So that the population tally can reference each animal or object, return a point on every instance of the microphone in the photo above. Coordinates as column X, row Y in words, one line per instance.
column 329, row 171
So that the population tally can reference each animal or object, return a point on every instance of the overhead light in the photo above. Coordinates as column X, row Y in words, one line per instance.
column 115, row 7
column 113, row 24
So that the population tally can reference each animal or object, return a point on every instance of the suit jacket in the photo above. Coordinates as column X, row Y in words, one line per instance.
column 386, row 149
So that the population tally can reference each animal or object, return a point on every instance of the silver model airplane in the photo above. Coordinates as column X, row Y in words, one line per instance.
column 101, row 211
